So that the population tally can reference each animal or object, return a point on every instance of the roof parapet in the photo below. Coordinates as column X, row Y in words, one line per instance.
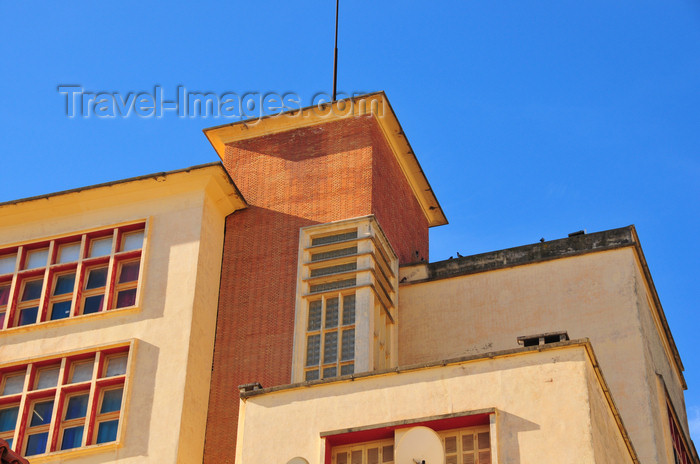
column 375, row 105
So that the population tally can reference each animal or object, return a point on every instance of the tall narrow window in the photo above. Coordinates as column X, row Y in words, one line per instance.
column 680, row 450
column 62, row 296
column 125, row 292
column 38, row 429
column 29, row 301
column 73, row 425
column 94, row 292
column 4, row 298
column 330, row 337
column 8, row 422
column 344, row 265
column 107, row 421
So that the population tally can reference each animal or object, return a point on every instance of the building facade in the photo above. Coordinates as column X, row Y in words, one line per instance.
column 109, row 308
column 280, row 306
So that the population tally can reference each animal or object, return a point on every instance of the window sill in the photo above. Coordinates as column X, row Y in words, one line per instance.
column 68, row 321
column 73, row 453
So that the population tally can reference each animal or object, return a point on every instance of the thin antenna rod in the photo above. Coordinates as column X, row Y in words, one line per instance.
column 335, row 56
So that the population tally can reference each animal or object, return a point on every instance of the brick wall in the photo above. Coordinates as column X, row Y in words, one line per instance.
column 395, row 206
column 293, row 179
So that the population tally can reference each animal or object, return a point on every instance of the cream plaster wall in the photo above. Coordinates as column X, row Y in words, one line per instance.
column 174, row 325
column 657, row 366
column 593, row 296
column 541, row 400
column 201, row 340
column 605, row 431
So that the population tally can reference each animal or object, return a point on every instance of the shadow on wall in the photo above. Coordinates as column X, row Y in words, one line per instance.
column 313, row 142
column 509, row 429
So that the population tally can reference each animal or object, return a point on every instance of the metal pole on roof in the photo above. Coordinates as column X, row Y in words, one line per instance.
column 335, row 56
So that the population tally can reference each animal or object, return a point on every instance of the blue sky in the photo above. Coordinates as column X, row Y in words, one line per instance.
column 530, row 119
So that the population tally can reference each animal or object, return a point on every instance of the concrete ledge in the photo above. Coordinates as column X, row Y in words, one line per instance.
column 543, row 376
column 412, row 367
column 528, row 254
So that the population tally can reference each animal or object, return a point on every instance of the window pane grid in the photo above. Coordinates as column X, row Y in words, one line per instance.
column 375, row 452
column 60, row 418
column 127, row 280
column 50, row 278
column 335, row 259
column 8, row 421
column 62, row 296
column 334, row 238
column 330, row 345
column 8, row 263
column 29, row 301
column 467, row 446
column 47, row 377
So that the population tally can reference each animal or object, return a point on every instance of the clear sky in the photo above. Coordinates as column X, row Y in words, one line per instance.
column 530, row 119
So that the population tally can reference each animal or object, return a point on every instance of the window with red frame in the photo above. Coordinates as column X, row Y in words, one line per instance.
column 680, row 451
column 464, row 445
column 70, row 276
column 64, row 403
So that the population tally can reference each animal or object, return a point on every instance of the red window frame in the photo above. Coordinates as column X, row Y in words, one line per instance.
column 679, row 447
column 383, row 432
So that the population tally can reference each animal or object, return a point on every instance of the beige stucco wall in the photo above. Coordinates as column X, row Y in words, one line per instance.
column 595, row 295
column 605, row 431
column 174, row 325
column 658, row 370
column 541, row 399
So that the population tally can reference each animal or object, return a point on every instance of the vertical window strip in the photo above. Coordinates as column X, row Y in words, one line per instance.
column 330, row 337
column 680, row 452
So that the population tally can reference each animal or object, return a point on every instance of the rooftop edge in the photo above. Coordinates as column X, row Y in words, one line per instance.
column 374, row 104
column 127, row 180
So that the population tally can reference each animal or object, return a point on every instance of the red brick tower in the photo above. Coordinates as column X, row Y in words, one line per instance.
column 309, row 167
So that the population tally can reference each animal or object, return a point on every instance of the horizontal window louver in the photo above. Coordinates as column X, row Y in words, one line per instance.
column 334, row 254
column 333, row 269
column 334, row 238
column 332, row 285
